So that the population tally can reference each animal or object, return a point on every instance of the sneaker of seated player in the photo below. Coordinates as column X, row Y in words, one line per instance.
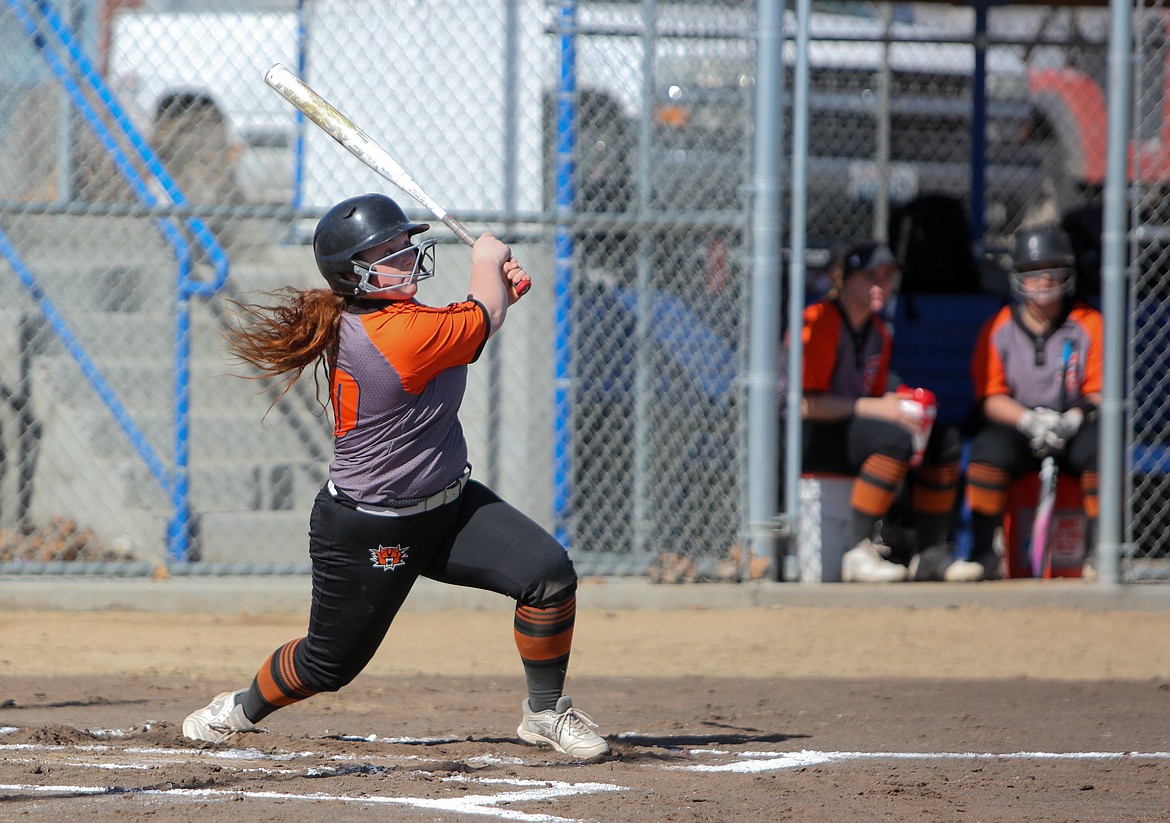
column 963, row 571
column 1089, row 568
column 938, row 563
column 864, row 563
column 566, row 729
column 992, row 565
column 218, row 720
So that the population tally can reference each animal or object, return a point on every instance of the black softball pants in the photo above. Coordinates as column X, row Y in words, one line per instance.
column 1005, row 448
column 364, row 566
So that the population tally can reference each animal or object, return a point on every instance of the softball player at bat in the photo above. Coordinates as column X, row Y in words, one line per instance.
column 399, row 503
column 853, row 425
column 1017, row 368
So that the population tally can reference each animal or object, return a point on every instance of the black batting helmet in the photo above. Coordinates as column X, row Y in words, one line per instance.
column 1043, row 247
column 350, row 227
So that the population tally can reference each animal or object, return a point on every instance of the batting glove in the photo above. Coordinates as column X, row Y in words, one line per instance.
column 1039, row 426
column 1069, row 424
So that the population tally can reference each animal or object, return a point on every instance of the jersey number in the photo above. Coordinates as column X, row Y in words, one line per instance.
column 345, row 402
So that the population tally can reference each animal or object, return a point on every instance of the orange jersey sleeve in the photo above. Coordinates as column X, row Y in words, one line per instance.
column 820, row 337
column 1094, row 326
column 987, row 371
column 421, row 341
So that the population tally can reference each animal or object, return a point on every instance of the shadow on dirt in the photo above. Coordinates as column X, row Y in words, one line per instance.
column 61, row 704
column 680, row 740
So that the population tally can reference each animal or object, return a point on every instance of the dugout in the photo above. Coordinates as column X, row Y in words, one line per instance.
column 1112, row 298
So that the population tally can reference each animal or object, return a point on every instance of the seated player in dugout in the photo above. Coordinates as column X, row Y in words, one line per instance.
column 854, row 425
column 1018, row 367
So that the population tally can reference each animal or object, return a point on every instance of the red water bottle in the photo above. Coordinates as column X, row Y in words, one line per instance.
column 921, row 406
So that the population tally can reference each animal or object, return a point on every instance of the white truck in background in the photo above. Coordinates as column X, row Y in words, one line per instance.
column 464, row 95
column 427, row 78
column 177, row 70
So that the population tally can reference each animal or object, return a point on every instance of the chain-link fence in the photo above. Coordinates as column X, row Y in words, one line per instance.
column 147, row 172
column 1148, row 469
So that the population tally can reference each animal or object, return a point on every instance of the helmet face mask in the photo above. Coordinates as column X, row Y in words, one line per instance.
column 1043, row 252
column 421, row 257
column 359, row 224
column 1062, row 281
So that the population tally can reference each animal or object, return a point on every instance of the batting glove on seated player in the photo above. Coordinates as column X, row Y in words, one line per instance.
column 1069, row 424
column 1040, row 426
column 1063, row 429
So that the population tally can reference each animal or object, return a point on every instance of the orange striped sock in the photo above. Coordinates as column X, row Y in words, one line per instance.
column 277, row 682
column 877, row 484
column 1089, row 493
column 936, row 489
column 544, row 638
column 987, row 489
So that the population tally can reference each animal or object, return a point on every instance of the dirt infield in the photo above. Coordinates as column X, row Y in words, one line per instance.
column 797, row 713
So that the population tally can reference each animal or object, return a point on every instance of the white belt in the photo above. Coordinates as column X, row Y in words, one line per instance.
column 440, row 498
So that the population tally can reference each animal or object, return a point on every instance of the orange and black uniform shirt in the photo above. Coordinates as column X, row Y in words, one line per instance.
column 396, row 390
column 839, row 359
column 1011, row 360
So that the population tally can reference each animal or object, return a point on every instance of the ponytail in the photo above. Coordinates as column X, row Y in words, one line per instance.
column 281, row 338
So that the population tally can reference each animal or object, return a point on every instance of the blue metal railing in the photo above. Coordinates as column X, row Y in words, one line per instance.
column 98, row 107
column 563, row 271
column 299, row 147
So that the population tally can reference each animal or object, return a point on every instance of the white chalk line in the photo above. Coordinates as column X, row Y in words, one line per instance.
column 481, row 805
column 756, row 762
column 478, row 804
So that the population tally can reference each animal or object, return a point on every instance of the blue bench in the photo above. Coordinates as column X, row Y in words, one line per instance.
column 934, row 336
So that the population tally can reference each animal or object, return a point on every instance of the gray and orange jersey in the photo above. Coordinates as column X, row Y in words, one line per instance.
column 1010, row 360
column 396, row 390
column 841, row 360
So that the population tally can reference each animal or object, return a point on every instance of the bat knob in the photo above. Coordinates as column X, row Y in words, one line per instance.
column 523, row 287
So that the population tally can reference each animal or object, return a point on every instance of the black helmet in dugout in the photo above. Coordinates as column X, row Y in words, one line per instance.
column 1042, row 247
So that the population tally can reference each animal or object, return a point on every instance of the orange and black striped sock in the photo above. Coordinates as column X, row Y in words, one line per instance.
column 936, row 489
column 874, row 490
column 544, row 638
column 987, row 492
column 276, row 684
column 987, row 489
column 933, row 501
column 877, row 484
column 1089, row 493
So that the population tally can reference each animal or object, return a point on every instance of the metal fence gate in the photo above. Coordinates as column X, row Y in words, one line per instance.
column 1147, row 516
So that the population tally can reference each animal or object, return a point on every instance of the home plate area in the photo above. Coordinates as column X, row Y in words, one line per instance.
column 119, row 774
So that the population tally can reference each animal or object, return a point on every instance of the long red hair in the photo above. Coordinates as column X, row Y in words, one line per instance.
column 280, row 339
